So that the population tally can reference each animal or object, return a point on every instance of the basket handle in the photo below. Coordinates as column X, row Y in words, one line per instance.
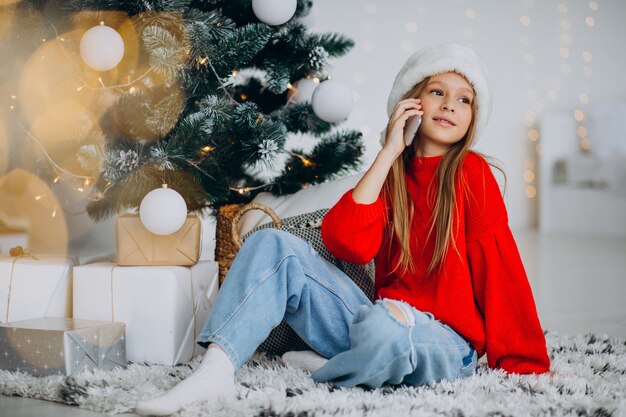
column 242, row 211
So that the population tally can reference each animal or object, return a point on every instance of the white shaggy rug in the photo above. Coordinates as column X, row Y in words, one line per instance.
column 590, row 380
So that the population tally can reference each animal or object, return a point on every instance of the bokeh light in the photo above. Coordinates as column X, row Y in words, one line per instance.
column 28, row 199
column 579, row 115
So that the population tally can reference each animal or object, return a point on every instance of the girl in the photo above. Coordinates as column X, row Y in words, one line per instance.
column 450, row 285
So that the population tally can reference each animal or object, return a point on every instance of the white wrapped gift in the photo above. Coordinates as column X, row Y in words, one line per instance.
column 164, row 307
column 33, row 286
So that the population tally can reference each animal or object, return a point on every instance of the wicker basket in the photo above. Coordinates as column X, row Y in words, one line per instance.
column 227, row 238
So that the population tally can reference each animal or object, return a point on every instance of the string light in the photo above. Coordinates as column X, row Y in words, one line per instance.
column 579, row 115
column 306, row 162
column 583, row 97
column 244, row 190
column 585, row 145
column 530, row 115
column 207, row 149
column 529, row 176
column 56, row 166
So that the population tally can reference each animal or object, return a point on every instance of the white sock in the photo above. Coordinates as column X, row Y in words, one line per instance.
column 213, row 380
column 306, row 360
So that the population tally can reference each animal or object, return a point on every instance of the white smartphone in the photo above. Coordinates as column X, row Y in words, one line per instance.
column 410, row 128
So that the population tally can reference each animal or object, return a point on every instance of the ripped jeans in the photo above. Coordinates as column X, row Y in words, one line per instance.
column 277, row 276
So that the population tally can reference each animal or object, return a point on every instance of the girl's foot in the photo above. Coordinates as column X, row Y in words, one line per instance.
column 213, row 380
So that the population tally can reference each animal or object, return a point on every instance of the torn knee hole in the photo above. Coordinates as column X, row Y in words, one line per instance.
column 397, row 313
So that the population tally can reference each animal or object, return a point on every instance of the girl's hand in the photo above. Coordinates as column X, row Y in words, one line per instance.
column 394, row 142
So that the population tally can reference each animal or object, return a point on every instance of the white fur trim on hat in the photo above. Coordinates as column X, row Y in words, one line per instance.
column 438, row 59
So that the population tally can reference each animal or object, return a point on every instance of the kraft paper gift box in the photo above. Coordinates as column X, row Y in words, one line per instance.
column 56, row 345
column 33, row 286
column 136, row 245
column 164, row 307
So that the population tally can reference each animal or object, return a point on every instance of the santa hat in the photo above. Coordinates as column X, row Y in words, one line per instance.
column 438, row 59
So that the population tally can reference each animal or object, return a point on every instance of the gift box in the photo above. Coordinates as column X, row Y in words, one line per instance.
column 55, row 345
column 136, row 245
column 33, row 286
column 164, row 307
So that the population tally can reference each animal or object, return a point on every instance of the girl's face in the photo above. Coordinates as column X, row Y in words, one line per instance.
column 447, row 105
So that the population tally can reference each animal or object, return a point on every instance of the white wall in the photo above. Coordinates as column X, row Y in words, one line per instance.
column 525, row 62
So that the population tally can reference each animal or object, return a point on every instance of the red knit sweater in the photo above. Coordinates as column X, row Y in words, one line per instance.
column 484, row 295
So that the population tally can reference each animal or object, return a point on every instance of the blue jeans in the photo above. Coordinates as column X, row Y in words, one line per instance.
column 277, row 276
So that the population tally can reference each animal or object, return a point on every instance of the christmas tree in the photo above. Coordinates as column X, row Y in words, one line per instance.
column 199, row 95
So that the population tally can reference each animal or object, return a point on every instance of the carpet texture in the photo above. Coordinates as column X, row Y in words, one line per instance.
column 589, row 380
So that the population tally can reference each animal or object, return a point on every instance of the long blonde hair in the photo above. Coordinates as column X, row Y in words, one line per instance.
column 402, row 208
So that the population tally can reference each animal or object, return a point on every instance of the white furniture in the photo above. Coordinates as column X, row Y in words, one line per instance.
column 584, row 192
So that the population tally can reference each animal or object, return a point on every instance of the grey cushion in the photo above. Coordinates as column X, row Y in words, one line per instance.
column 308, row 227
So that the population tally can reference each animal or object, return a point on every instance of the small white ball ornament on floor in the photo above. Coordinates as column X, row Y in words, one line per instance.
column 163, row 211
column 332, row 101
column 274, row 12
column 102, row 48
column 303, row 92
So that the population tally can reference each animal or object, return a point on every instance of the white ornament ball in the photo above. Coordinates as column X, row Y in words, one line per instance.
column 274, row 12
column 332, row 101
column 102, row 48
column 163, row 211
column 304, row 89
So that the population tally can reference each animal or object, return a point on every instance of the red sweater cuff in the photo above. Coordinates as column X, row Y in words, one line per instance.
column 514, row 365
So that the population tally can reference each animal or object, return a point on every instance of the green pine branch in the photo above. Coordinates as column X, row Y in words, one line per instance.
column 336, row 154
column 335, row 44
column 236, row 50
column 300, row 118
column 190, row 123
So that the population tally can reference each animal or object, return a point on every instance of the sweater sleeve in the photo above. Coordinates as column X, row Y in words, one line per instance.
column 352, row 231
column 514, row 338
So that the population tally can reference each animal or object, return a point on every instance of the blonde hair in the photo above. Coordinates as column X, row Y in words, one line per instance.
column 402, row 208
